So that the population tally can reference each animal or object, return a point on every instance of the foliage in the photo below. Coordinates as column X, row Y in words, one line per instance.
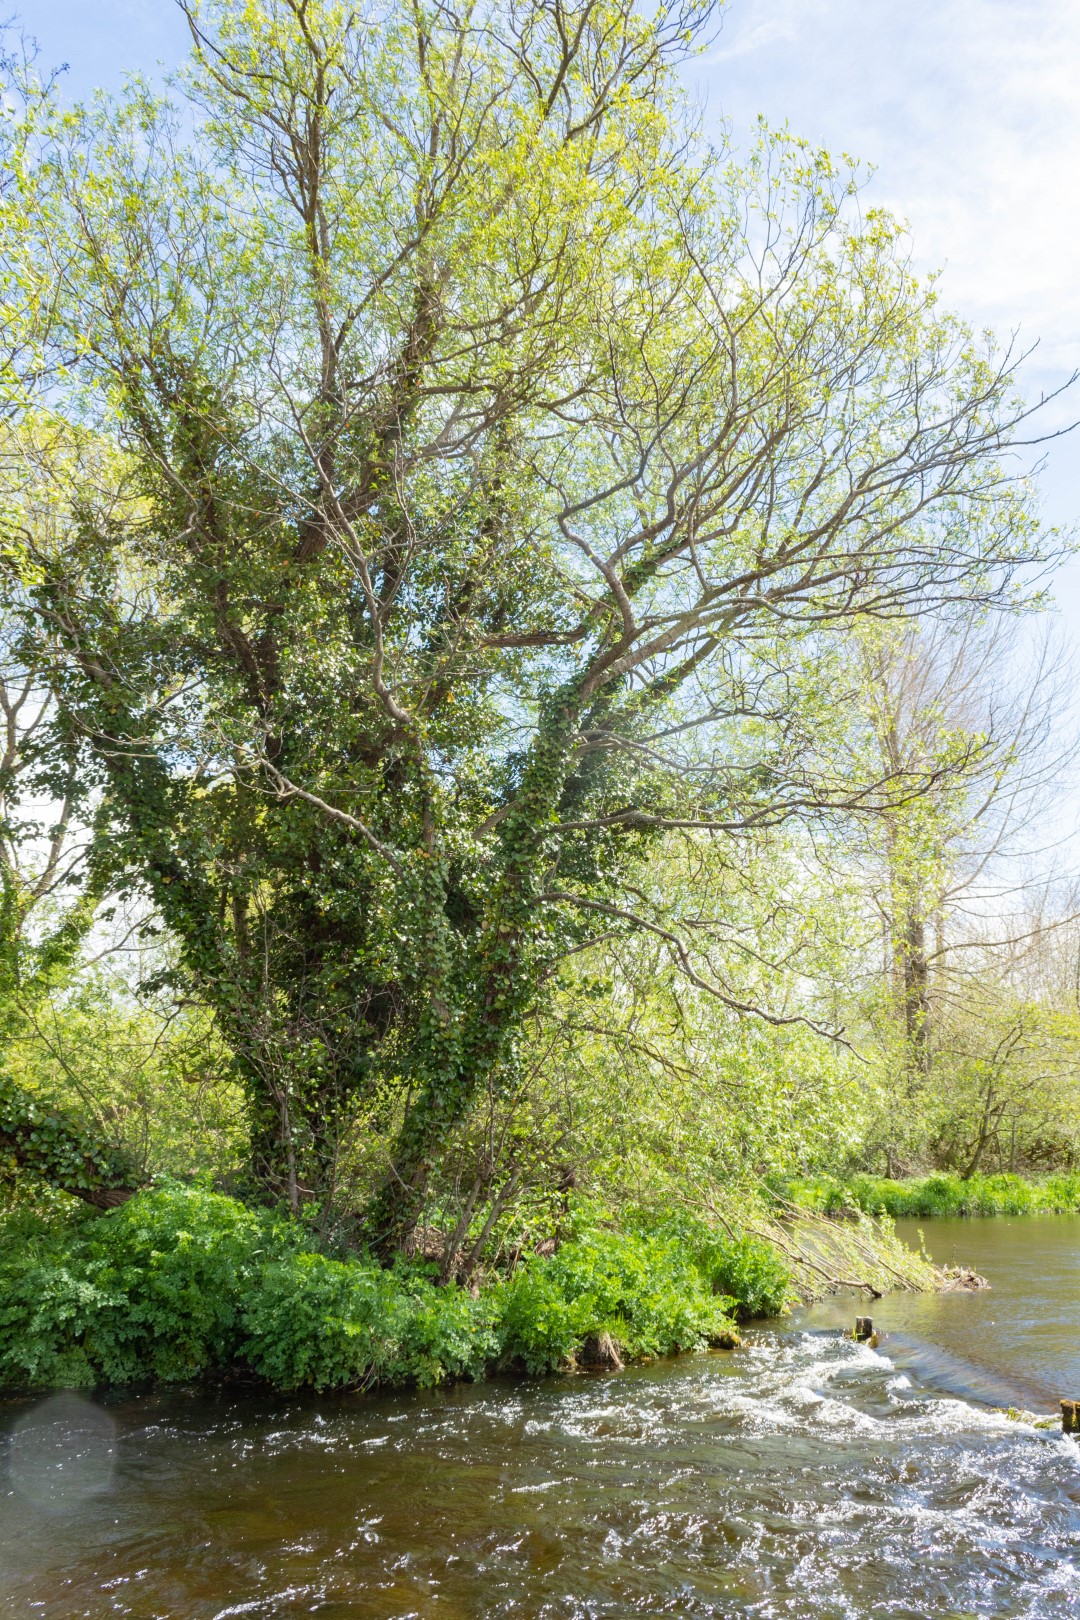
column 307, row 1319
column 512, row 598
column 667, row 1090
column 655, row 1286
column 436, row 479
column 152, row 1084
column 43, row 1143
column 746, row 1269
column 183, row 1282
column 969, row 1001
column 638, row 1089
column 939, row 1195
column 1000, row 1089
column 1005, row 1087
column 180, row 1282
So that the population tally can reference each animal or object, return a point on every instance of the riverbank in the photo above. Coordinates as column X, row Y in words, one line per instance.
column 936, row 1195
column 183, row 1283
column 804, row 1476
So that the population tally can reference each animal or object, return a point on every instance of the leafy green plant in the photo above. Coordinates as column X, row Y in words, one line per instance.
column 941, row 1195
column 182, row 1282
column 45, row 1143
column 647, row 1288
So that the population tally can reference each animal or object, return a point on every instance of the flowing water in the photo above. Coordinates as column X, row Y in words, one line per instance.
column 803, row 1475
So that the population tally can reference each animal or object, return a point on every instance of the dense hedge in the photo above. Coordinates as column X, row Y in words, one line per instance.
column 938, row 1195
column 182, row 1282
column 48, row 1145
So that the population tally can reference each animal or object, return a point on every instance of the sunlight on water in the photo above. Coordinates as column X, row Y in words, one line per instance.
column 801, row 1476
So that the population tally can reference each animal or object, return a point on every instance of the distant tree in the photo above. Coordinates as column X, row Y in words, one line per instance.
column 53, row 871
column 953, row 874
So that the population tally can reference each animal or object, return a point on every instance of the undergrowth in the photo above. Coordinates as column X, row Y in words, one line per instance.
column 941, row 1194
column 181, row 1283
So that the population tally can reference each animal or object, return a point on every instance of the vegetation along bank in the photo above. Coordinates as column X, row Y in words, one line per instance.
column 527, row 713
column 940, row 1194
column 182, row 1283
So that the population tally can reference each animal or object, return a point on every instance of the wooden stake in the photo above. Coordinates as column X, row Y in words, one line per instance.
column 864, row 1329
column 1070, row 1417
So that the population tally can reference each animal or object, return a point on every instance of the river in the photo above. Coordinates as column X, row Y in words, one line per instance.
column 802, row 1475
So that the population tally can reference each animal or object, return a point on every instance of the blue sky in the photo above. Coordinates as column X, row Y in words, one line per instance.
column 969, row 111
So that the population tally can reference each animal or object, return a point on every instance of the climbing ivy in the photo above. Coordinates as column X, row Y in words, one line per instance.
column 449, row 471
column 42, row 1142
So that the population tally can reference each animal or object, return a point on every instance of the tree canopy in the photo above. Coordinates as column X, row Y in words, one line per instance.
column 437, row 480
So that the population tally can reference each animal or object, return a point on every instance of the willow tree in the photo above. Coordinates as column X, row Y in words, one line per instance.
column 485, row 452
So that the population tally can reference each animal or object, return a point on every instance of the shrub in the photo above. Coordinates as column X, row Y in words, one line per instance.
column 151, row 1290
column 658, row 1286
column 181, row 1282
column 330, row 1323
column 753, row 1273
column 939, row 1195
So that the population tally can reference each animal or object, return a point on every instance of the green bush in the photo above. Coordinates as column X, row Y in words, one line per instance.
column 943, row 1194
column 751, row 1272
column 181, row 1282
column 754, row 1275
column 147, row 1291
column 330, row 1322
column 643, row 1287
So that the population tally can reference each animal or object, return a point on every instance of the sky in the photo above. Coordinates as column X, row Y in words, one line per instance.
column 969, row 113
column 967, row 110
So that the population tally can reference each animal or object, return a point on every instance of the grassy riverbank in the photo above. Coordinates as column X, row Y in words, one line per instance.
column 938, row 1195
column 182, row 1283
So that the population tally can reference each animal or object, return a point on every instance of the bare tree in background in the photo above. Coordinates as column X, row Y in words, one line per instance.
column 963, row 878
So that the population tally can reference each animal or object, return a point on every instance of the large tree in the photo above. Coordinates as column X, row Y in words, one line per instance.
column 460, row 463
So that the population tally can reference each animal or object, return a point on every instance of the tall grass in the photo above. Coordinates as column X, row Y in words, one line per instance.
column 937, row 1195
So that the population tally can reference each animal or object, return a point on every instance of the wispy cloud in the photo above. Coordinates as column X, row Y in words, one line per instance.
column 969, row 111
column 769, row 22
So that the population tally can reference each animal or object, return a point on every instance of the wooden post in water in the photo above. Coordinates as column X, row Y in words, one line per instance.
column 864, row 1329
column 1070, row 1417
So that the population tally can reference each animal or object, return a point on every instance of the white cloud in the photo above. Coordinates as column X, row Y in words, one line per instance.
column 773, row 21
column 969, row 111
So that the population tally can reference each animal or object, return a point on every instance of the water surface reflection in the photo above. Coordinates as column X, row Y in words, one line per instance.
column 802, row 1476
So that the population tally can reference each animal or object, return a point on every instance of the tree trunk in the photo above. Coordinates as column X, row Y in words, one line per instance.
column 989, row 1115
column 465, row 1054
column 916, row 989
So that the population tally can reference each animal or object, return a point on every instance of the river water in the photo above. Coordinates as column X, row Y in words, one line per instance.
column 803, row 1475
